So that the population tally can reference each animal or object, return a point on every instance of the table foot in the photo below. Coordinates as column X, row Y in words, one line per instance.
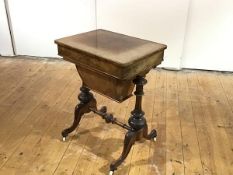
column 151, row 136
column 86, row 101
column 63, row 139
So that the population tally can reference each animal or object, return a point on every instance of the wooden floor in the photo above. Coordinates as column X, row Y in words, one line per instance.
column 191, row 110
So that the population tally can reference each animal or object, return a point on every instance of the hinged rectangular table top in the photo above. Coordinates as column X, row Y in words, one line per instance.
column 114, row 54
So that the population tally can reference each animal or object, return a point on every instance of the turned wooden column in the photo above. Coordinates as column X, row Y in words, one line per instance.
column 137, row 120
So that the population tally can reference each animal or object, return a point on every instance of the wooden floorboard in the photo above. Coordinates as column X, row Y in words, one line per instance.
column 191, row 152
column 191, row 110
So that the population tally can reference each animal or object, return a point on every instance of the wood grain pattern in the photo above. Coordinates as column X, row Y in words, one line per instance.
column 108, row 62
column 191, row 110
column 114, row 47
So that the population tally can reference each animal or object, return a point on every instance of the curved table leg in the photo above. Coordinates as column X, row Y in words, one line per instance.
column 130, row 139
column 87, row 101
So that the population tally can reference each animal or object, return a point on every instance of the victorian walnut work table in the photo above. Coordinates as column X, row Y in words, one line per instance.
column 112, row 64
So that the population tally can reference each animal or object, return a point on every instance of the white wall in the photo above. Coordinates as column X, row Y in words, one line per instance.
column 5, row 39
column 37, row 23
column 156, row 20
column 209, row 37
column 206, row 27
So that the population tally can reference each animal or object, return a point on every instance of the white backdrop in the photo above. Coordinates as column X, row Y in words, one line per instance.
column 37, row 23
column 198, row 33
column 5, row 40
column 156, row 20
column 209, row 37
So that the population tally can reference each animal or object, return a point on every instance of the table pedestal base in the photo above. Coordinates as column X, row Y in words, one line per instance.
column 137, row 128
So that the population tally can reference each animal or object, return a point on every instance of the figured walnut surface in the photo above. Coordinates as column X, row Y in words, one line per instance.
column 114, row 54
column 114, row 47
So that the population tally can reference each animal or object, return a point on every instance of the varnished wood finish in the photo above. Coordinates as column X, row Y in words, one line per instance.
column 110, row 47
column 108, row 62
column 138, row 124
column 132, row 57
column 111, row 87
column 192, row 111
column 87, row 101
column 137, row 128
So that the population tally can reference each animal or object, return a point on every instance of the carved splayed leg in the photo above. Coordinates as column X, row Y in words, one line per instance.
column 87, row 100
column 130, row 139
